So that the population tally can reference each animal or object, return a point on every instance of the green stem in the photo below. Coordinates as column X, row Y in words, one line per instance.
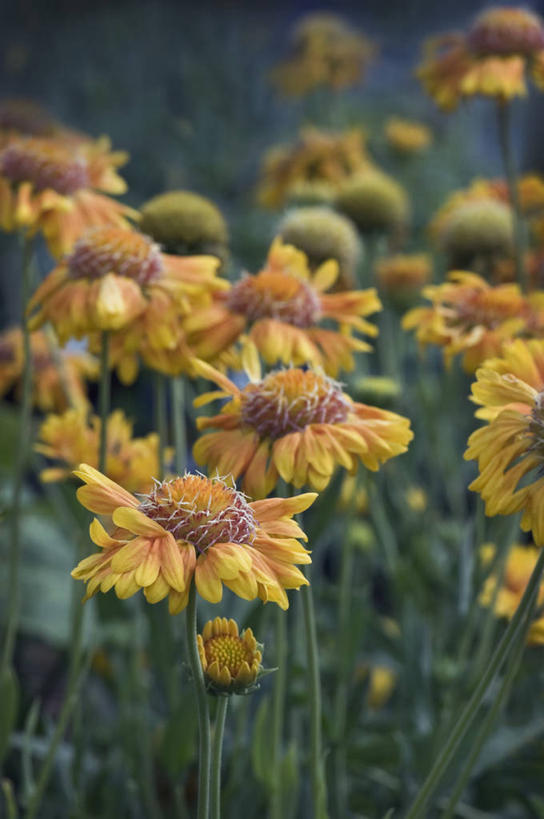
column 178, row 417
column 222, row 705
column 202, row 708
column 467, row 716
column 25, row 438
column 505, row 138
column 278, row 710
column 319, row 788
column 161, row 421
column 487, row 724
column 104, row 399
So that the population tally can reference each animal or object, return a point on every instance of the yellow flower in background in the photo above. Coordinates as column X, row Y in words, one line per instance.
column 326, row 51
column 510, row 448
column 376, row 389
column 469, row 316
column 317, row 157
column 374, row 201
column 416, row 498
column 56, row 186
column 285, row 305
column 231, row 661
column 407, row 136
column 58, row 376
column 114, row 275
column 381, row 684
column 294, row 424
column 74, row 437
column 191, row 527
column 504, row 592
column 402, row 276
column 492, row 59
column 353, row 497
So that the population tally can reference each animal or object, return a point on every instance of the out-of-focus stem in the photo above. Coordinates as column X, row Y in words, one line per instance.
column 178, row 419
column 278, row 710
column 202, row 708
column 504, row 111
column 217, row 749
column 104, row 399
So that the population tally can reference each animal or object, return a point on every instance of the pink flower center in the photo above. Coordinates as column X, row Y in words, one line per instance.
column 46, row 164
column 115, row 250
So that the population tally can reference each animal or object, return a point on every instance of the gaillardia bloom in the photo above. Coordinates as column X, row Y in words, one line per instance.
column 491, row 60
column 114, row 275
column 407, row 136
column 231, row 661
column 191, row 527
column 402, row 276
column 58, row 376
column 74, row 437
column 469, row 316
column 284, row 305
column 505, row 593
column 56, row 186
column 510, row 448
column 294, row 424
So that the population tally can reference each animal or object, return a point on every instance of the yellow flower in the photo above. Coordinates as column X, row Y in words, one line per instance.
column 374, row 201
column 191, row 527
column 376, row 389
column 317, row 158
column 469, row 316
column 407, row 136
column 54, row 185
column 403, row 275
column 505, row 593
column 416, row 498
column 112, row 277
column 284, row 306
column 58, row 377
column 510, row 448
column 231, row 661
column 380, row 686
column 294, row 424
column 73, row 437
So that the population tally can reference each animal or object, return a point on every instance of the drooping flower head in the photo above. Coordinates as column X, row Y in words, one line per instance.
column 56, row 186
column 469, row 316
column 231, row 661
column 295, row 424
column 407, row 136
column 510, row 448
column 191, row 527
column 58, row 376
column 74, row 437
column 374, row 201
column 113, row 276
column 284, row 306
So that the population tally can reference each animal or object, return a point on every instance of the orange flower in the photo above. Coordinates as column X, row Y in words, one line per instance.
column 191, row 527
column 53, row 185
column 112, row 277
column 403, row 275
column 284, row 304
column 469, row 316
column 58, row 376
column 73, row 436
column 510, row 448
column 297, row 425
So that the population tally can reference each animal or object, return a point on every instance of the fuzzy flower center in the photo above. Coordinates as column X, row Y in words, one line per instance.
column 46, row 164
column 201, row 511
column 290, row 400
column 278, row 296
column 507, row 31
column 115, row 250
column 228, row 651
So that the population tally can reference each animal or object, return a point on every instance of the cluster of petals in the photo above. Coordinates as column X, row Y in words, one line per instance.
column 231, row 661
column 509, row 449
column 163, row 558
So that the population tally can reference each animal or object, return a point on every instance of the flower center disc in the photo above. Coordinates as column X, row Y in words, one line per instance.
column 290, row 400
column 278, row 296
column 483, row 308
column 114, row 250
column 200, row 511
column 507, row 31
column 229, row 651
column 46, row 164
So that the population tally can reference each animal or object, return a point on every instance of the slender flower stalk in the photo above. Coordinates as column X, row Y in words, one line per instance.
column 178, row 422
column 21, row 462
column 222, row 705
column 278, row 710
column 505, row 138
column 204, row 745
column 468, row 715
column 161, row 420
column 104, row 399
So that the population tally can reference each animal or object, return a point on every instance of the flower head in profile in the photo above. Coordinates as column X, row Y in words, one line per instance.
column 231, row 661
column 284, row 306
column 509, row 449
column 492, row 59
column 504, row 591
column 191, row 528
column 58, row 376
column 316, row 158
column 469, row 316
column 295, row 424
column 374, row 201
column 74, row 437
column 401, row 276
column 407, row 136
column 57, row 186
column 113, row 276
